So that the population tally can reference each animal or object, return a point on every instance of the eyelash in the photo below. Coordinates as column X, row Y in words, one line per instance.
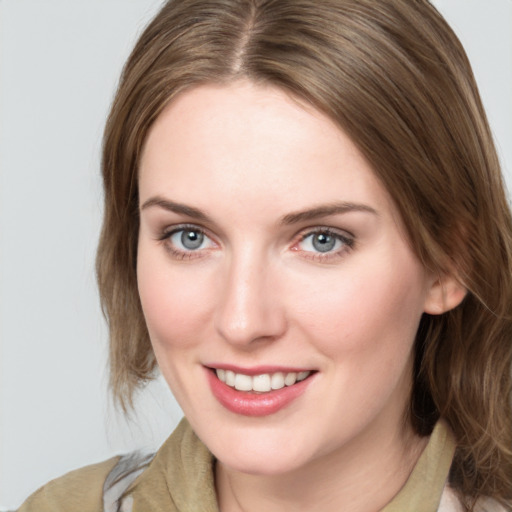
column 179, row 254
column 347, row 241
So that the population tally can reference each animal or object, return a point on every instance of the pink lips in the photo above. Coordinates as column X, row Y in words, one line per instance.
column 255, row 404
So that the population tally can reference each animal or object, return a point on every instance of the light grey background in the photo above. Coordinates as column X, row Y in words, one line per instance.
column 59, row 63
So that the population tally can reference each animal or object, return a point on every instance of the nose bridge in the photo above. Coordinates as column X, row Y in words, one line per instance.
column 249, row 306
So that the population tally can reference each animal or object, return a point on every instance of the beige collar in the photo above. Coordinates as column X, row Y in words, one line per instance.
column 424, row 487
column 181, row 477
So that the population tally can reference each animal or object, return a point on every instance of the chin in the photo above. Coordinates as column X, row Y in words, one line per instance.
column 262, row 465
column 259, row 451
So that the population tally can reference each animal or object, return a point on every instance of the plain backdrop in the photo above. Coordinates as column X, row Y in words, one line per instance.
column 59, row 64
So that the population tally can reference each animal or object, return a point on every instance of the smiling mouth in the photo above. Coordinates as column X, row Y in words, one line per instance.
column 258, row 392
column 262, row 383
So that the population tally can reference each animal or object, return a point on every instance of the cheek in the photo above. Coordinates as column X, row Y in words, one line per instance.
column 174, row 303
column 372, row 309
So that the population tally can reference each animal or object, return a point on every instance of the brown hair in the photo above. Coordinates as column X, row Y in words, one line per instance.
column 396, row 79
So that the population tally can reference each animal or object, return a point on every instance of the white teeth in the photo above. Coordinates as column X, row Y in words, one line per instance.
column 243, row 382
column 277, row 381
column 262, row 383
column 302, row 375
column 230, row 378
column 290, row 379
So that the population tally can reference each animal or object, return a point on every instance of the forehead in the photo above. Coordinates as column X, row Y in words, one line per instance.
column 243, row 143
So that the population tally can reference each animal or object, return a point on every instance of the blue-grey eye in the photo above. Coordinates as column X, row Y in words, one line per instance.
column 323, row 242
column 190, row 239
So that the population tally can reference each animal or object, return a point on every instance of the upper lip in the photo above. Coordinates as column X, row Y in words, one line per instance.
column 258, row 370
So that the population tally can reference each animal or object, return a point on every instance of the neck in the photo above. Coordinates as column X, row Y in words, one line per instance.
column 362, row 477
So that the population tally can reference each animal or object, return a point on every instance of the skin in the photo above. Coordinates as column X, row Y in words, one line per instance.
column 258, row 292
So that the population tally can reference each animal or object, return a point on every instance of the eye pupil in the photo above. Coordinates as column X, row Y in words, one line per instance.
column 192, row 239
column 323, row 242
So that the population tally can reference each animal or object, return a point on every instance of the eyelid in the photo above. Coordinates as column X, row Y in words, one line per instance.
column 171, row 230
column 167, row 233
column 347, row 239
column 330, row 230
column 326, row 229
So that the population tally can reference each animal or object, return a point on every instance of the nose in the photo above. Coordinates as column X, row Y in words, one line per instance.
column 250, row 307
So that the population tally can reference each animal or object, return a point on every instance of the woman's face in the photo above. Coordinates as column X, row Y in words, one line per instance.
column 270, row 256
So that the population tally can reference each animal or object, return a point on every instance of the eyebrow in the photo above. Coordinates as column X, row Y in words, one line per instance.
column 179, row 208
column 291, row 218
column 326, row 210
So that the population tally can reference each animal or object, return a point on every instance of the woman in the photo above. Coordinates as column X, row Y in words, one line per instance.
column 306, row 229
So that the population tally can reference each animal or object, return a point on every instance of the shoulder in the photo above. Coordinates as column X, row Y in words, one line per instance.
column 81, row 489
column 450, row 502
column 489, row 505
column 178, row 477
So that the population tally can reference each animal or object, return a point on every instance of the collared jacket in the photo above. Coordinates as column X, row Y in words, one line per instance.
column 180, row 478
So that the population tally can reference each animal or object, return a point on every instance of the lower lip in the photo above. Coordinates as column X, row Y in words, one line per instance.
column 254, row 404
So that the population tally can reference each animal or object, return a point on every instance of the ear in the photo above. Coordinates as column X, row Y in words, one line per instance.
column 445, row 293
